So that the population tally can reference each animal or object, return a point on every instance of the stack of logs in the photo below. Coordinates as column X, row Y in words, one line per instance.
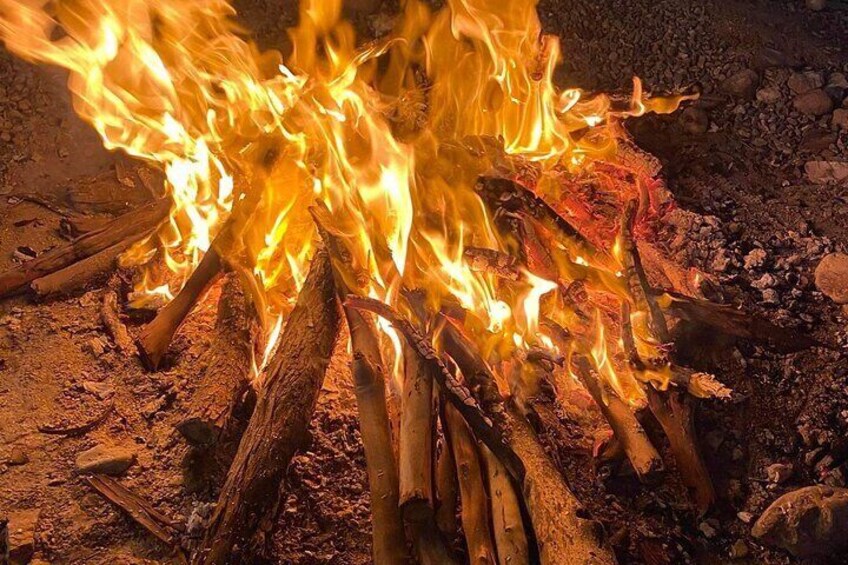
column 459, row 448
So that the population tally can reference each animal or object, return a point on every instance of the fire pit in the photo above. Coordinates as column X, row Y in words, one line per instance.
column 469, row 263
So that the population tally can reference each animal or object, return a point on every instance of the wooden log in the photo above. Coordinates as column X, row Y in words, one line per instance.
column 475, row 506
column 507, row 523
column 388, row 539
column 563, row 533
column 492, row 261
column 224, row 367
column 278, row 425
column 504, row 194
column 416, row 438
column 447, row 494
column 130, row 227
column 156, row 337
column 79, row 275
column 672, row 408
column 455, row 392
column 643, row 456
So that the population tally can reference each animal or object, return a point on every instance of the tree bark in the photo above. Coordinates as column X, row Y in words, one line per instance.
column 224, row 367
column 416, row 438
column 277, row 428
column 75, row 277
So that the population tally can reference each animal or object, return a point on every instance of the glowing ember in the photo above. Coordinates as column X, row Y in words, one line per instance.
column 391, row 137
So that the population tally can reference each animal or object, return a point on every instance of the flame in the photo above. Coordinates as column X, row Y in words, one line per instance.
column 390, row 137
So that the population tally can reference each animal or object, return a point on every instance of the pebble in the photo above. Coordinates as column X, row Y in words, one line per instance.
column 832, row 277
column 813, row 103
column 694, row 120
column 816, row 5
column 827, row 172
column 779, row 473
column 755, row 258
column 739, row 550
column 742, row 84
column 22, row 535
column 840, row 118
column 808, row 522
column 769, row 95
column 746, row 517
column 18, row 457
column 801, row 83
column 106, row 459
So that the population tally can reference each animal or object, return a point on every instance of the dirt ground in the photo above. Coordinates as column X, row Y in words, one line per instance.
column 750, row 216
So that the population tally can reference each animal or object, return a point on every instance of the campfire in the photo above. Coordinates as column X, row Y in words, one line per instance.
column 483, row 241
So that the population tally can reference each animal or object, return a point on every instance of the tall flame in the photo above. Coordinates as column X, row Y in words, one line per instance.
column 390, row 137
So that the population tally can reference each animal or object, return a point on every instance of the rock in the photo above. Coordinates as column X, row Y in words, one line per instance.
column 813, row 103
column 742, row 84
column 779, row 473
column 801, row 83
column 827, row 172
column 22, row 535
column 694, row 120
column 809, row 522
column 745, row 517
column 832, row 277
column 840, row 118
column 817, row 140
column 739, row 550
column 707, row 529
column 755, row 259
column 18, row 457
column 101, row 390
column 769, row 95
column 839, row 80
column 767, row 58
column 106, row 459
column 816, row 5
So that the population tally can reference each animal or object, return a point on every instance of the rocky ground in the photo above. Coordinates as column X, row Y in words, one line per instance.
column 758, row 165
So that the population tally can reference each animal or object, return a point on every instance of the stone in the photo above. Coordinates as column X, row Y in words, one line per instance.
column 839, row 80
column 840, row 118
column 105, row 459
column 739, row 550
column 810, row 522
column 22, row 535
column 694, row 120
column 769, row 95
column 827, row 172
column 816, row 140
column 813, row 103
column 779, row 473
column 18, row 457
column 755, row 258
column 816, row 5
column 832, row 277
column 801, row 83
column 742, row 84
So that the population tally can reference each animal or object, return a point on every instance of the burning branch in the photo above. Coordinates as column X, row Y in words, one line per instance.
column 156, row 337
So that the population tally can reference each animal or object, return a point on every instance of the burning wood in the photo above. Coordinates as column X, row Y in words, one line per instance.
column 278, row 424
